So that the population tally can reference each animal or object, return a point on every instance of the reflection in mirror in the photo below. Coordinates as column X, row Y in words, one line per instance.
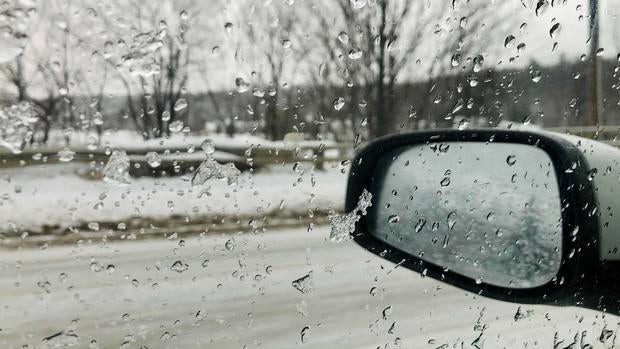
column 488, row 211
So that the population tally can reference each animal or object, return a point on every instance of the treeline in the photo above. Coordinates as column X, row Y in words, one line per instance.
column 341, row 71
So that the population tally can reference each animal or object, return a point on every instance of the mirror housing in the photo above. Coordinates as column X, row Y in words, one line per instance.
column 577, row 163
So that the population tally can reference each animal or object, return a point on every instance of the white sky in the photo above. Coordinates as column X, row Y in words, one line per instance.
column 236, row 60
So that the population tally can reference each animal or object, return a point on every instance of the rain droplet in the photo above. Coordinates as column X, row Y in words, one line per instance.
column 208, row 146
column 228, row 27
column 509, row 41
column 445, row 182
column 338, row 103
column 393, row 219
column 62, row 339
column 357, row 4
column 536, row 76
column 555, row 30
column 343, row 37
column 180, row 104
column 511, row 160
column 242, row 85
column 304, row 284
column 304, row 334
column 66, row 155
column 386, row 312
column 176, row 126
column 419, row 225
column 456, row 60
column 478, row 62
column 521, row 48
column 179, row 266
column 355, row 54
column 541, row 7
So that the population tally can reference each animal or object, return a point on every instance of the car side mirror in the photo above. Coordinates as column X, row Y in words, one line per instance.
column 522, row 216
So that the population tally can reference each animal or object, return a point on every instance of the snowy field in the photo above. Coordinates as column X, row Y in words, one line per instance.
column 56, row 196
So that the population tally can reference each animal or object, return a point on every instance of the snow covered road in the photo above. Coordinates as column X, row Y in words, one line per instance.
column 236, row 291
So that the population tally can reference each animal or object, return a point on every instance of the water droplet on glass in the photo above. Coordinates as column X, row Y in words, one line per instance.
column 419, row 225
column 445, row 182
column 536, row 76
column 509, row 41
column 242, row 85
column 179, row 266
column 343, row 37
column 338, row 103
column 66, row 155
column 304, row 334
column 555, row 30
column 511, row 160
column 541, row 7
column 228, row 27
column 355, row 54
column 478, row 62
column 393, row 219
column 208, row 146
column 64, row 339
column 304, row 284
column 176, row 126
column 521, row 48
column 357, row 4
column 456, row 60
column 180, row 104
column 386, row 312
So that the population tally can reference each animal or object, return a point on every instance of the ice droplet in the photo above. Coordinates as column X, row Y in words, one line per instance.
column 116, row 171
column 210, row 168
column 16, row 126
column 153, row 159
column 342, row 226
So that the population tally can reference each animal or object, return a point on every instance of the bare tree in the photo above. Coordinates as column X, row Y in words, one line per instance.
column 152, row 59
column 371, row 48
column 275, row 34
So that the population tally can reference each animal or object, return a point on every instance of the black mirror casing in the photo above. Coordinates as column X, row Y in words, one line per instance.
column 580, row 253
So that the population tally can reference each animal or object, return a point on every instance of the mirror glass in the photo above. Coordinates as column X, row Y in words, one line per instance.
column 488, row 211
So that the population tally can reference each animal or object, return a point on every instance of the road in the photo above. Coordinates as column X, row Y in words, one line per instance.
column 134, row 295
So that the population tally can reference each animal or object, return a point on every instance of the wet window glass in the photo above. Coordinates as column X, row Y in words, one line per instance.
column 173, row 173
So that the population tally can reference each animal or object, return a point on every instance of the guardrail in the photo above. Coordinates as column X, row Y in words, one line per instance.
column 179, row 160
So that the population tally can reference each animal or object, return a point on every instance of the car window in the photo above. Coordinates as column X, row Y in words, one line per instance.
column 173, row 173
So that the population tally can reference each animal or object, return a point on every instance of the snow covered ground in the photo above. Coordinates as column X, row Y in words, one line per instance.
column 55, row 195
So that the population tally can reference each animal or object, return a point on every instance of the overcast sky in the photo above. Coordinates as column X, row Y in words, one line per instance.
column 234, row 60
